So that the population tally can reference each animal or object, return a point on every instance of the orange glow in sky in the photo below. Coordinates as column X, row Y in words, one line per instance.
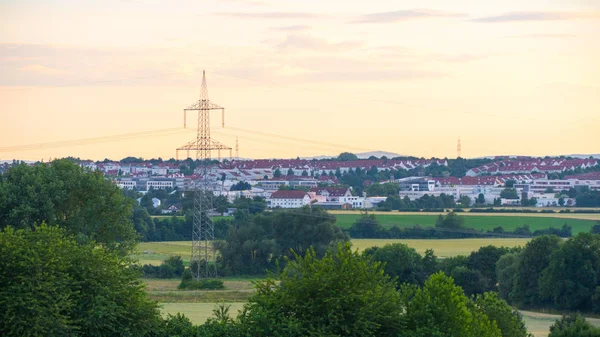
column 410, row 77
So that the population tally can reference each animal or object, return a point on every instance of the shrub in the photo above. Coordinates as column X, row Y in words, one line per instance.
column 207, row 284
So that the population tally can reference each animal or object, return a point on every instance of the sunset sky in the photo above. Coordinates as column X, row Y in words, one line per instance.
column 410, row 77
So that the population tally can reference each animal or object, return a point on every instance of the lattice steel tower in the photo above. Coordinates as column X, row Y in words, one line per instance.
column 203, row 231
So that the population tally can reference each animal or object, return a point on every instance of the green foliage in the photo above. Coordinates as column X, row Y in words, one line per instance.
column 573, row 273
column 506, row 271
column 341, row 294
column 253, row 246
column 465, row 201
column 509, row 321
column 367, row 226
column 178, row 326
column 50, row 285
column 209, row 284
column 401, row 262
column 450, row 221
column 573, row 326
column 484, row 260
column 347, row 156
column 471, row 281
column 509, row 193
column 240, row 186
column 170, row 268
column 441, row 308
column 534, row 258
column 63, row 193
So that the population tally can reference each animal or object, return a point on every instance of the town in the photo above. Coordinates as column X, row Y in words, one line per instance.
column 347, row 182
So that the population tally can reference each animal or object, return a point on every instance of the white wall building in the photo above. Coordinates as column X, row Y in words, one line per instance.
column 288, row 199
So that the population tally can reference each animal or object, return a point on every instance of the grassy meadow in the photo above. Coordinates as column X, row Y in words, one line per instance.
column 480, row 221
column 156, row 252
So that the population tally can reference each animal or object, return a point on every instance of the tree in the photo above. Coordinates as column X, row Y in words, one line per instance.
column 506, row 269
column 484, row 260
column 561, row 201
column 534, row 258
column 465, row 201
column 509, row 321
column 347, row 156
column 573, row 326
column 471, row 281
column 450, row 221
column 367, row 226
column 510, row 183
column 571, row 278
column 509, row 193
column 595, row 228
column 53, row 286
column 290, row 172
column 304, row 173
column 480, row 199
column 277, row 173
column 63, row 193
column 341, row 294
column 241, row 186
column 400, row 262
column 441, row 308
column 254, row 247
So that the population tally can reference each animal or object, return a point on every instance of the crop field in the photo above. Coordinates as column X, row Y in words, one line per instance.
column 156, row 252
column 442, row 248
column 198, row 313
column 481, row 221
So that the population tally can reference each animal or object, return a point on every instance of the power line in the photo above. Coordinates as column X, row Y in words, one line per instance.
column 79, row 84
column 91, row 140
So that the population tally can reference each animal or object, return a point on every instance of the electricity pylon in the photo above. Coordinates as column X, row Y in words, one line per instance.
column 203, row 230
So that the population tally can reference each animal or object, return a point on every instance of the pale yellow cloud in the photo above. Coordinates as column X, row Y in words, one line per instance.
column 41, row 69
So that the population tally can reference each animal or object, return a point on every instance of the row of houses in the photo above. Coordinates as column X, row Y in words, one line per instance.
column 527, row 185
column 528, row 165
column 327, row 197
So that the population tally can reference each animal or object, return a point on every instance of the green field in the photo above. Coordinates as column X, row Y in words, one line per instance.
column 479, row 222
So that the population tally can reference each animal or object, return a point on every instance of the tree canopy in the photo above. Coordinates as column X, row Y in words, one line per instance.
column 51, row 285
column 63, row 193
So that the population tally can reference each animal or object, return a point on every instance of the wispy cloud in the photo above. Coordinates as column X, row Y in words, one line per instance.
column 309, row 42
column 404, row 15
column 269, row 15
column 461, row 58
column 535, row 16
column 294, row 28
column 41, row 69
column 543, row 36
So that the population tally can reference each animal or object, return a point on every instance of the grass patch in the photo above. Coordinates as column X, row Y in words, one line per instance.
column 198, row 313
column 478, row 222
column 539, row 324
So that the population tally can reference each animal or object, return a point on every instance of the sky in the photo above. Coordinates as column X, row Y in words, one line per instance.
column 300, row 78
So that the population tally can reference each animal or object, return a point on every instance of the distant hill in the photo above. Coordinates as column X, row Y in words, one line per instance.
column 362, row 155
column 584, row 156
column 378, row 154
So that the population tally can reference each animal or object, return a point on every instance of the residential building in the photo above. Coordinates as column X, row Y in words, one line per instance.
column 288, row 199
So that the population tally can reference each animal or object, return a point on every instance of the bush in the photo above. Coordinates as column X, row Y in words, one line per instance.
column 170, row 268
column 575, row 325
column 207, row 284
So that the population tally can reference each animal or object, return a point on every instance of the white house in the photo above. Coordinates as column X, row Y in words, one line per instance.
column 288, row 199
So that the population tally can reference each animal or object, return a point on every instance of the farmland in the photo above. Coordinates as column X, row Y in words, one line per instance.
column 478, row 221
column 156, row 252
